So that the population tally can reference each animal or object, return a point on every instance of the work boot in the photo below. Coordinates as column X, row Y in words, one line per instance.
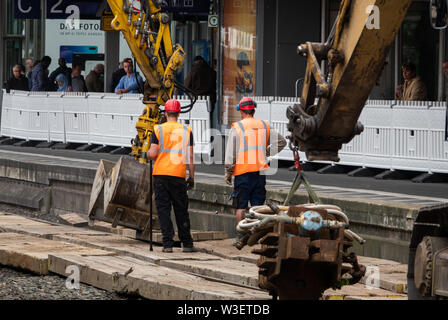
column 190, row 249
column 167, row 250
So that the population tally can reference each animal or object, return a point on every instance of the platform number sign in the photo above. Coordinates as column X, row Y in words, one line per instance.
column 26, row 9
column 213, row 21
column 65, row 9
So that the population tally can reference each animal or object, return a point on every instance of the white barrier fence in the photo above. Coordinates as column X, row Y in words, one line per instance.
column 94, row 118
column 398, row 135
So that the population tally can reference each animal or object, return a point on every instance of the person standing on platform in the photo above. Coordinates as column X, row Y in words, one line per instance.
column 18, row 81
column 39, row 76
column 130, row 82
column 95, row 79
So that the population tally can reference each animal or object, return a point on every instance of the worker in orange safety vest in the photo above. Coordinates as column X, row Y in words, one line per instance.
column 249, row 144
column 172, row 150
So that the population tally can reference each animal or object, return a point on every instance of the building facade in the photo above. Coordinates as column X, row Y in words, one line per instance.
column 252, row 47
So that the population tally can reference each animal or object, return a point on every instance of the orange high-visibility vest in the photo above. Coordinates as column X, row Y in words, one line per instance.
column 254, row 136
column 173, row 139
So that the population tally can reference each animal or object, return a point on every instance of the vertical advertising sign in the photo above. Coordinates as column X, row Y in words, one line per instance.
column 239, row 45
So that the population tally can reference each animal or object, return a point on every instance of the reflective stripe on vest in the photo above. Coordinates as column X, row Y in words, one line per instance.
column 179, row 151
column 257, row 147
column 251, row 155
column 171, row 160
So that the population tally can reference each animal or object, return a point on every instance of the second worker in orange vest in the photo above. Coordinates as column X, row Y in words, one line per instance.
column 172, row 150
column 250, row 142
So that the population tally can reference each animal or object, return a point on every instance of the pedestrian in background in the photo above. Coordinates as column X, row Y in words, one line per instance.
column 202, row 80
column 66, row 71
column 172, row 149
column 414, row 88
column 130, row 82
column 62, row 83
column 78, row 82
column 18, row 80
column 95, row 79
column 29, row 69
column 40, row 81
column 117, row 75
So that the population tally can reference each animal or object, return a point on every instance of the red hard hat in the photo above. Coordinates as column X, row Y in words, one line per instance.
column 172, row 105
column 246, row 104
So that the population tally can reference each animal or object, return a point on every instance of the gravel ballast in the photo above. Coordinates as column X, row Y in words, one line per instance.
column 18, row 284
column 21, row 285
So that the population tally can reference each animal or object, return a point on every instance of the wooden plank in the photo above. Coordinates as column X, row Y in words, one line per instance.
column 31, row 253
column 14, row 220
column 197, row 235
column 148, row 280
column 392, row 275
column 22, row 225
column 107, row 227
column 236, row 272
column 49, row 231
column 132, row 248
column 73, row 219
column 359, row 290
column 225, row 249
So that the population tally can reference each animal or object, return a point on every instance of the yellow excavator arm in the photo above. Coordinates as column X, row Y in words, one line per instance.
column 355, row 53
column 146, row 30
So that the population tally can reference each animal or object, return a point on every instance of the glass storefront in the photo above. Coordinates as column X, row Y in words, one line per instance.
column 420, row 45
column 21, row 39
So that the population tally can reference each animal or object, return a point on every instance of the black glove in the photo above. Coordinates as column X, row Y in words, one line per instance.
column 190, row 183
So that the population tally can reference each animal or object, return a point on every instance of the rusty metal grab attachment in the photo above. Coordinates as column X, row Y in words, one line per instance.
column 303, row 249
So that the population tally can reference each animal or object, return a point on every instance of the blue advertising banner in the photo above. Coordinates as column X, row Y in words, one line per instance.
column 27, row 9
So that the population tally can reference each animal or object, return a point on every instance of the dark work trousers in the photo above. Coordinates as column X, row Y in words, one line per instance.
column 172, row 191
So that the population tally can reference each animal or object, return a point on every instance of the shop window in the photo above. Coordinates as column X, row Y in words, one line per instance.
column 420, row 45
column 13, row 55
column 13, row 26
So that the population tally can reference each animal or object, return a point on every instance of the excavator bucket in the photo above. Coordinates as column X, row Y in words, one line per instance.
column 120, row 195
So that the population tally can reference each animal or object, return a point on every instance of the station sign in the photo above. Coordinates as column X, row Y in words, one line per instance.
column 63, row 9
column 27, row 9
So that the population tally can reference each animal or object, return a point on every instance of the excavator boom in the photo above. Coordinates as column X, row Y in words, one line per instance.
column 121, row 192
column 355, row 52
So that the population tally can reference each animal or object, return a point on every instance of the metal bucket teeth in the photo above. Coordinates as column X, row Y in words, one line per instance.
column 270, row 239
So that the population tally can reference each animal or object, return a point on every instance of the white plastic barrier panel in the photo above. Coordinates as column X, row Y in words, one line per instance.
column 7, row 124
column 274, row 111
column 75, row 114
column 91, row 118
column 397, row 135
column 51, row 103
column 199, row 121
column 112, row 118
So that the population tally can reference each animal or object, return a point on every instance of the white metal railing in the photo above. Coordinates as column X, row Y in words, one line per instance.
column 93, row 118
